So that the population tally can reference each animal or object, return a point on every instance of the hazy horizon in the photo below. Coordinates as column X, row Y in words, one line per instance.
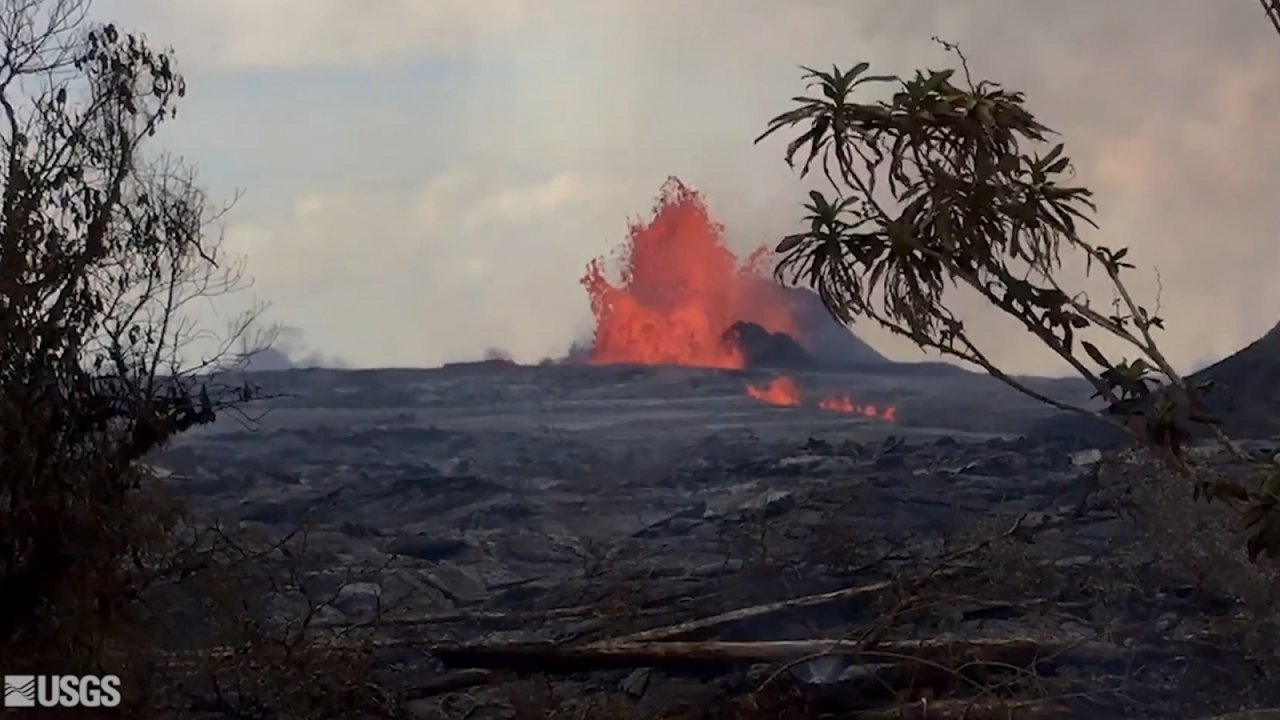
column 424, row 181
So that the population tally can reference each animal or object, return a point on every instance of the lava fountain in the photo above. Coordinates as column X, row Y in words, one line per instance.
column 681, row 288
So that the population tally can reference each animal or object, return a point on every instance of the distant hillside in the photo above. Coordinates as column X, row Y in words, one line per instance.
column 831, row 344
column 1245, row 396
column 1246, row 392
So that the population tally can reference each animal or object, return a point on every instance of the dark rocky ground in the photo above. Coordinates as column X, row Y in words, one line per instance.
column 455, row 516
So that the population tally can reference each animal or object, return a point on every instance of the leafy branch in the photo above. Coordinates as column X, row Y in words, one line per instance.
column 949, row 184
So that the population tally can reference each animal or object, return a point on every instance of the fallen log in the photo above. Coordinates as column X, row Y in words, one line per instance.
column 612, row 655
column 705, row 625
column 474, row 617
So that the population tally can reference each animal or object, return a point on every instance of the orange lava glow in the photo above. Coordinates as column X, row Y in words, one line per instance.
column 838, row 403
column 842, row 403
column 784, row 391
column 779, row 391
column 681, row 288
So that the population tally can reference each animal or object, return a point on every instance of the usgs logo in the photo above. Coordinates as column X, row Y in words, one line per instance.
column 66, row 691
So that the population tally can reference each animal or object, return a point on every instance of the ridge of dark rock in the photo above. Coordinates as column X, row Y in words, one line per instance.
column 831, row 344
column 1246, row 387
column 764, row 349
column 1244, row 396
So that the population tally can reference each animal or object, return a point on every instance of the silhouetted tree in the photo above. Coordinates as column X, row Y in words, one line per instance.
column 102, row 251
column 951, row 184
column 1272, row 10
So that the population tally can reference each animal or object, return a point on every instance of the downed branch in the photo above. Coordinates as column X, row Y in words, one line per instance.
column 482, row 618
column 703, row 626
column 558, row 658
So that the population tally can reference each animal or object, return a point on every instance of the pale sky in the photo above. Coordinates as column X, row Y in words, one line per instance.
column 425, row 179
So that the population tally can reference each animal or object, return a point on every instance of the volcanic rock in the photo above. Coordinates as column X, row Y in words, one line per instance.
column 1077, row 431
column 761, row 348
column 1244, row 396
column 603, row 501
column 1246, row 388
column 831, row 344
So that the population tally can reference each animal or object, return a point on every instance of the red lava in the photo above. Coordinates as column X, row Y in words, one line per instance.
column 681, row 288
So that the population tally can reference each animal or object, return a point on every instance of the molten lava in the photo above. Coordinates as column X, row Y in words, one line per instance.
column 838, row 403
column 784, row 391
column 681, row 287
column 779, row 391
column 842, row 403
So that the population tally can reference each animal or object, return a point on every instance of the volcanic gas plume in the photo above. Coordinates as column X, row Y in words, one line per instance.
column 680, row 289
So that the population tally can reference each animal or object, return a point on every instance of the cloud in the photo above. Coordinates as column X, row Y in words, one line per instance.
column 427, row 179
column 317, row 34
column 436, row 273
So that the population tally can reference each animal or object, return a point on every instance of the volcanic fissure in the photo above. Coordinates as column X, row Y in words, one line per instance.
column 681, row 290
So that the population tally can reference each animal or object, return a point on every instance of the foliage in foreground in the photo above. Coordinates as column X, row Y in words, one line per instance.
column 102, row 251
column 951, row 183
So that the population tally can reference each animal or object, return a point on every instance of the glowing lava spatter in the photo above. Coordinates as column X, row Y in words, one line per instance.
column 681, row 288
column 842, row 403
column 839, row 403
column 784, row 391
column 779, row 391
